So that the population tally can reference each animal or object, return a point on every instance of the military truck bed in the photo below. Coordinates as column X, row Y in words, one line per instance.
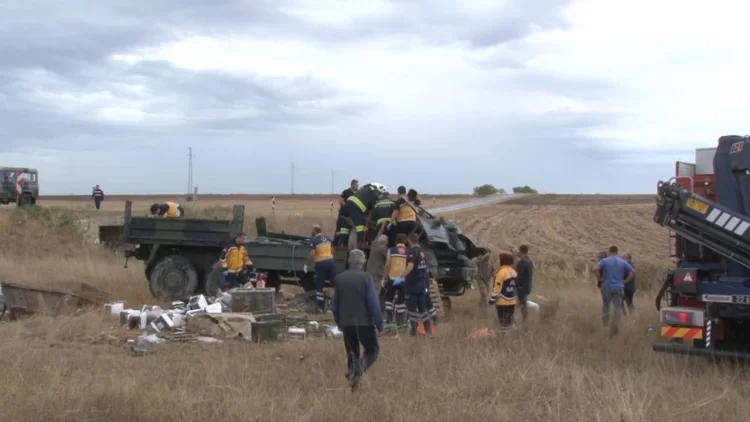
column 179, row 231
column 279, row 252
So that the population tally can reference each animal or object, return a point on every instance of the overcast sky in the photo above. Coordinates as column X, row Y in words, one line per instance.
column 565, row 96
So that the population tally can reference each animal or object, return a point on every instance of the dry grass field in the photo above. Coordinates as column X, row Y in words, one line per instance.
column 562, row 366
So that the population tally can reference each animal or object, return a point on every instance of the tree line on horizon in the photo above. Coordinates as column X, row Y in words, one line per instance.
column 488, row 189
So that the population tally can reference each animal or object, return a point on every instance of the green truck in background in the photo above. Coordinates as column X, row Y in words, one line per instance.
column 19, row 185
column 181, row 254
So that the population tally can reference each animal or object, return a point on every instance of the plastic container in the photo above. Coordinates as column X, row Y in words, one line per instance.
column 296, row 333
column 113, row 308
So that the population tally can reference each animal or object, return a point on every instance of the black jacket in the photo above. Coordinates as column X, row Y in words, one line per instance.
column 525, row 271
column 355, row 302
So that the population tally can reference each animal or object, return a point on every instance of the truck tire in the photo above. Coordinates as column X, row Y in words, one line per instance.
column 173, row 278
column 214, row 281
column 25, row 200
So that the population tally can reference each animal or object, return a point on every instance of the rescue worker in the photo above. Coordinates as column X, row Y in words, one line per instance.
column 235, row 261
column 431, row 311
column 413, row 196
column 415, row 278
column 629, row 286
column 404, row 217
column 612, row 273
column 168, row 209
column 525, row 270
column 379, row 217
column 321, row 253
column 353, row 213
column 485, row 272
column 98, row 196
column 376, row 263
column 378, row 256
column 504, row 291
column 345, row 194
column 395, row 265
column 356, row 311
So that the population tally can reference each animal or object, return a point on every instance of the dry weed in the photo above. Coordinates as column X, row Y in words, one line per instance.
column 562, row 366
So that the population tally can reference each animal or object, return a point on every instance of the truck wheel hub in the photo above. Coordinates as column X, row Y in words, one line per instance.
column 174, row 280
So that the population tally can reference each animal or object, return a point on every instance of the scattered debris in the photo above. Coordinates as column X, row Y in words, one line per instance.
column 253, row 300
column 482, row 334
column 226, row 326
column 297, row 333
column 208, row 340
column 333, row 332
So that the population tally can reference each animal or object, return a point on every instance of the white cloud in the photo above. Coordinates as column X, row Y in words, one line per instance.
column 681, row 67
column 486, row 91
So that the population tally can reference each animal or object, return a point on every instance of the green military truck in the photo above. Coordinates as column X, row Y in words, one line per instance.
column 181, row 255
column 19, row 185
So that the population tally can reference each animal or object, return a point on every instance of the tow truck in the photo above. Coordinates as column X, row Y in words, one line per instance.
column 704, row 303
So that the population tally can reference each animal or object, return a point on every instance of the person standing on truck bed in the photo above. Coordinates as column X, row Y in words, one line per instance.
column 612, row 273
column 504, row 291
column 415, row 278
column 168, row 210
column 404, row 217
column 345, row 194
column 629, row 286
column 98, row 196
column 356, row 310
column 234, row 260
column 379, row 217
column 525, row 272
column 395, row 265
column 321, row 253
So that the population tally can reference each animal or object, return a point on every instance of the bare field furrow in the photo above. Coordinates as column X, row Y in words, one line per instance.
column 559, row 230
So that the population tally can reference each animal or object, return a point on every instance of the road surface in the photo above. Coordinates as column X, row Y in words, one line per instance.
column 494, row 199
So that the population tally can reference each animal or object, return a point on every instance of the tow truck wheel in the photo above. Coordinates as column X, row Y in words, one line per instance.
column 173, row 278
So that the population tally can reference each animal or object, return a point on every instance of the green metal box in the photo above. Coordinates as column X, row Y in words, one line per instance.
column 267, row 331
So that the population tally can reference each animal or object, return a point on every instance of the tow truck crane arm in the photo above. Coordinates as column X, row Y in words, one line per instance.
column 704, row 222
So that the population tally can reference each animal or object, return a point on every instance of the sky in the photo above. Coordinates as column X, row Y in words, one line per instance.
column 565, row 96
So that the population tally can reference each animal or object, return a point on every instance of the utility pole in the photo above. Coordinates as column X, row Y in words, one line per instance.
column 333, row 189
column 190, row 171
column 292, row 170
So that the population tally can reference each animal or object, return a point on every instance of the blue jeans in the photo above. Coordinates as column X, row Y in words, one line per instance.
column 610, row 294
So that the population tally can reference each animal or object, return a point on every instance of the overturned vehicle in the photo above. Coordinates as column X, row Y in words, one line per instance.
column 181, row 256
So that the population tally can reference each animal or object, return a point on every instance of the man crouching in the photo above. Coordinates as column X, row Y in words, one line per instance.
column 356, row 310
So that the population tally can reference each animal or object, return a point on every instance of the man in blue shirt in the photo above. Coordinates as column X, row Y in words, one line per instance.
column 612, row 273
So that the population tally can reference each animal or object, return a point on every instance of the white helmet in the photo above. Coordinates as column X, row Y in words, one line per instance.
column 379, row 187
